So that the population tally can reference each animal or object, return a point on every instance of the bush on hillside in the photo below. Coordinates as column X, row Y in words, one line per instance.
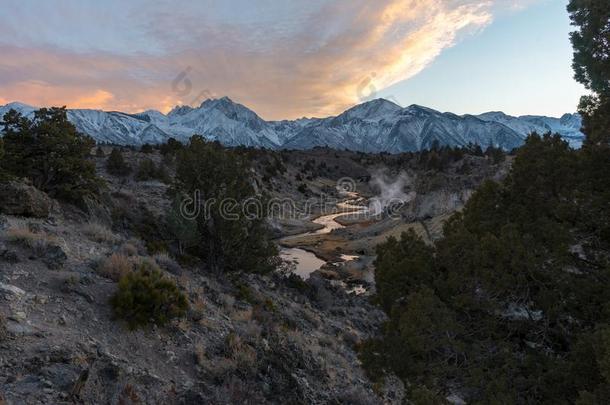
column 145, row 296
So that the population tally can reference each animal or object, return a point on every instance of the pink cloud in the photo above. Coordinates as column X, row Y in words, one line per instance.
column 337, row 55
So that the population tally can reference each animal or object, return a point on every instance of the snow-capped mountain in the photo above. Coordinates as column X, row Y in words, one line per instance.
column 382, row 126
column 568, row 126
column 375, row 126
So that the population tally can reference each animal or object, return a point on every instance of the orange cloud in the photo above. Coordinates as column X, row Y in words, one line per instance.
column 98, row 99
column 336, row 56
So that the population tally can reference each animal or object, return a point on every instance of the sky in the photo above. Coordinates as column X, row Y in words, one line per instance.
column 288, row 59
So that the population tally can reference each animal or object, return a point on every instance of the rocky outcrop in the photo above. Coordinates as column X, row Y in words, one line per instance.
column 53, row 256
column 434, row 204
column 18, row 198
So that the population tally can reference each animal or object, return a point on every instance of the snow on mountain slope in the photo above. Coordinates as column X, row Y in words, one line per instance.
column 375, row 126
column 381, row 127
column 568, row 126
column 225, row 121
column 116, row 127
column 24, row 109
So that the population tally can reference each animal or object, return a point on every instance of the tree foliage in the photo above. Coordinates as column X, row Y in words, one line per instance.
column 512, row 304
column 183, row 228
column 591, row 64
column 50, row 152
column 148, row 170
column 591, row 43
column 116, row 164
column 230, row 215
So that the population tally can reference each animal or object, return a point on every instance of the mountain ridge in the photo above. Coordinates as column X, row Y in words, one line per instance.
column 374, row 126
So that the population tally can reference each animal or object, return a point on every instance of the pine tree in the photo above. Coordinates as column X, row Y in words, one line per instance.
column 591, row 64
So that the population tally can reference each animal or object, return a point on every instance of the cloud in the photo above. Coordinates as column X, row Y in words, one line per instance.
column 284, row 61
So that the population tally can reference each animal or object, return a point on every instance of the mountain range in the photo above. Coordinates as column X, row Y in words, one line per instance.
column 374, row 126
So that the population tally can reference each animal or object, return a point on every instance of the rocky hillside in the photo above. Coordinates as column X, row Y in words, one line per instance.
column 245, row 339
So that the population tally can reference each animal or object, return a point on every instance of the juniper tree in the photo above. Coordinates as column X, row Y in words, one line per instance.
column 231, row 226
column 50, row 152
column 116, row 165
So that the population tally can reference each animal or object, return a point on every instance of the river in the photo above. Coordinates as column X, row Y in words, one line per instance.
column 306, row 262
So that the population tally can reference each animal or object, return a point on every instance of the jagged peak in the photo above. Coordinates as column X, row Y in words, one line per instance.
column 226, row 101
column 421, row 108
column 371, row 109
column 180, row 110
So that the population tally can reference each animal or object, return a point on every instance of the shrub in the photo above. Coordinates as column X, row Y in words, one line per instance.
column 131, row 248
column 99, row 233
column 147, row 170
column 243, row 354
column 170, row 147
column 147, row 148
column 245, row 293
column 200, row 356
column 116, row 165
column 220, row 367
column 37, row 241
column 145, row 296
column 116, row 266
column 167, row 263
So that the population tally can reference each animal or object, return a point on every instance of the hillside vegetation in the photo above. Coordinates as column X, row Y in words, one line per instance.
column 512, row 305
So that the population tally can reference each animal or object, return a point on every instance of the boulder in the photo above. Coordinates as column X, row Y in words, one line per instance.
column 21, row 199
column 11, row 289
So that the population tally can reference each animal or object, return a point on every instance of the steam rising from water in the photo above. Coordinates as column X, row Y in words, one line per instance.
column 390, row 191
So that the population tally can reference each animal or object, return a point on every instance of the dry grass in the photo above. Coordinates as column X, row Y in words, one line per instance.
column 200, row 356
column 129, row 248
column 243, row 354
column 167, row 263
column 227, row 302
column 99, row 233
column 250, row 331
column 220, row 367
column 116, row 266
column 37, row 241
column 198, row 306
column 3, row 330
column 149, row 261
column 242, row 316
